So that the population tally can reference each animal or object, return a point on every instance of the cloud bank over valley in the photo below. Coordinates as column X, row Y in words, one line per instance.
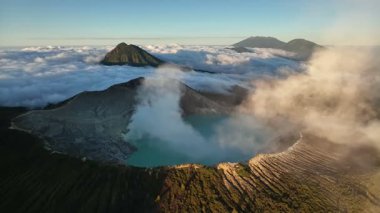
column 37, row 76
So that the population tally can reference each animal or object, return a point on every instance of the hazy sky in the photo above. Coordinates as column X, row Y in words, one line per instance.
column 79, row 22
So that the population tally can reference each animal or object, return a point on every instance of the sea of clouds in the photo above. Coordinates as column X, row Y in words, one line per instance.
column 37, row 76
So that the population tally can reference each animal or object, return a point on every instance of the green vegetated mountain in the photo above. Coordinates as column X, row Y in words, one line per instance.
column 302, row 48
column 124, row 54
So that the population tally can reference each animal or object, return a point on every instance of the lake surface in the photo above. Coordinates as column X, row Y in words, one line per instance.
column 153, row 151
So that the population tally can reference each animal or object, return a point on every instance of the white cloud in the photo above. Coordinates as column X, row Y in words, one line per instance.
column 36, row 76
column 222, row 59
column 336, row 97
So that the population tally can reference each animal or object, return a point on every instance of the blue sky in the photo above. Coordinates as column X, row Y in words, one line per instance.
column 75, row 22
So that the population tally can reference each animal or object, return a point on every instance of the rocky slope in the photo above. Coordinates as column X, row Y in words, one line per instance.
column 124, row 54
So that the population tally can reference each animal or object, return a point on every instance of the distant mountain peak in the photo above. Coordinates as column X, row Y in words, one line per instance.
column 129, row 54
column 301, row 43
column 122, row 44
column 263, row 37
column 260, row 42
column 302, row 47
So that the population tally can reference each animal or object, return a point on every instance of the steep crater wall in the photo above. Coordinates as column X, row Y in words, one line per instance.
column 102, row 126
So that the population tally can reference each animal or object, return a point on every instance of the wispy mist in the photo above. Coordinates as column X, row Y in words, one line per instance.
column 336, row 97
column 159, row 116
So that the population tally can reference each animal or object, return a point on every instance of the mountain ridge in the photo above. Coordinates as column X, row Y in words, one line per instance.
column 302, row 48
column 260, row 42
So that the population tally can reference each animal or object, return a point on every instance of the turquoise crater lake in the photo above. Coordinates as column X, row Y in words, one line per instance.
column 152, row 151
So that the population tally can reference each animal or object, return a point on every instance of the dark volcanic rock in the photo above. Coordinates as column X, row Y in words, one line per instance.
column 124, row 54
column 91, row 124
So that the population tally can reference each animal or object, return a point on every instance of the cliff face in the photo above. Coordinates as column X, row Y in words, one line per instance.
column 124, row 54
column 88, row 125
